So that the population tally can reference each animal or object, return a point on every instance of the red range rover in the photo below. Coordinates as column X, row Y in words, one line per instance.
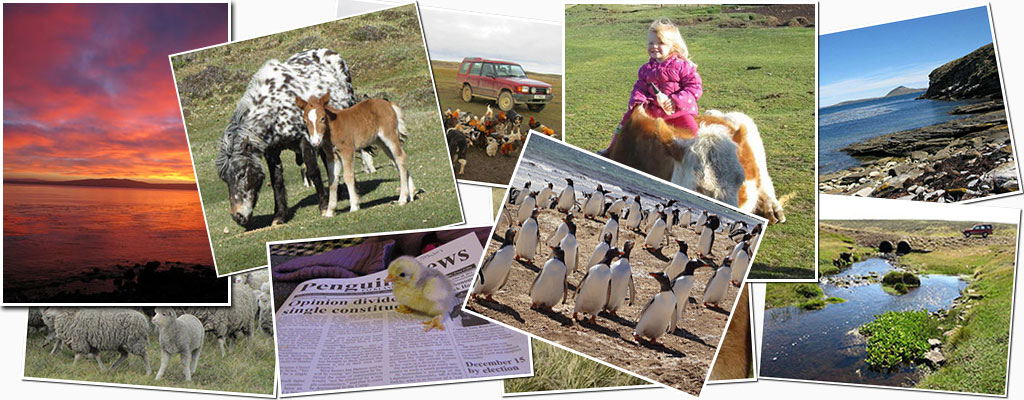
column 980, row 229
column 503, row 81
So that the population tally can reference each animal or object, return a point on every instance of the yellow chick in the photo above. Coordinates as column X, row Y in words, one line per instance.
column 421, row 289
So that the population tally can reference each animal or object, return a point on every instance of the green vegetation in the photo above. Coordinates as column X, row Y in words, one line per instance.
column 497, row 196
column 247, row 368
column 831, row 245
column 385, row 55
column 900, row 282
column 925, row 228
column 976, row 354
column 808, row 296
column 953, row 261
column 557, row 369
column 605, row 45
column 898, row 337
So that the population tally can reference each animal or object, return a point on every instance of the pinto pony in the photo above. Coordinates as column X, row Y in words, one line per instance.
column 344, row 131
column 725, row 159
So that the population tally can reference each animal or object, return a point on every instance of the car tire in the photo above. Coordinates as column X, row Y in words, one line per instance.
column 535, row 107
column 505, row 101
column 967, row 234
column 984, row 235
column 467, row 93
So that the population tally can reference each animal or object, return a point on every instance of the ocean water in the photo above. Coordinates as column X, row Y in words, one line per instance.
column 547, row 160
column 841, row 126
column 52, row 232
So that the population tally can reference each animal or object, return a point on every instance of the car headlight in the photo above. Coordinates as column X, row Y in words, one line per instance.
column 524, row 89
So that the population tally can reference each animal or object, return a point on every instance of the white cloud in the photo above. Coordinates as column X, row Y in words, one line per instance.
column 876, row 83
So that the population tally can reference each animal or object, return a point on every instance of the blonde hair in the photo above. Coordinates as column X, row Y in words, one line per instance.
column 668, row 33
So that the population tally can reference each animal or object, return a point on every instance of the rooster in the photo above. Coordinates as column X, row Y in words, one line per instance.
column 541, row 128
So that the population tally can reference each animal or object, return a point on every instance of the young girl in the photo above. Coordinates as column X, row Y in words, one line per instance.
column 668, row 85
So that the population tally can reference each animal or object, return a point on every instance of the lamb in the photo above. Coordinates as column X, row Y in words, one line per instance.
column 182, row 335
column 91, row 330
column 254, row 279
column 224, row 321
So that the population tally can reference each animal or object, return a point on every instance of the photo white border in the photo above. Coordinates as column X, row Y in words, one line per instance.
column 170, row 60
column 403, row 385
column 657, row 180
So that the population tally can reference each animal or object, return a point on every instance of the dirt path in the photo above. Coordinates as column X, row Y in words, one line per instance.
column 683, row 360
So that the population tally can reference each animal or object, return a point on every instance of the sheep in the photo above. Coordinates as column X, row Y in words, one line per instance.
column 266, row 307
column 182, row 335
column 91, row 330
column 224, row 321
column 254, row 279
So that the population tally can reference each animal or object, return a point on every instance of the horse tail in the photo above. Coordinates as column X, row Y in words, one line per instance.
column 403, row 135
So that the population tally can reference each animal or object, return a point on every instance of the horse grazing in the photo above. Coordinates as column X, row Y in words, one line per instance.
column 355, row 128
column 266, row 122
column 725, row 159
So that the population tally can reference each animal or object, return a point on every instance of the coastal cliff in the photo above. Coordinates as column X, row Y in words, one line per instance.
column 975, row 75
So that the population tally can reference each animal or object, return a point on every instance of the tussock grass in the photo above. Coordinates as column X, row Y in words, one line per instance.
column 605, row 45
column 247, row 368
column 557, row 369
column 387, row 60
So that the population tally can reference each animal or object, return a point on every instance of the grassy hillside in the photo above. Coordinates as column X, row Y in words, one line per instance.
column 746, row 65
column 557, row 369
column 386, row 57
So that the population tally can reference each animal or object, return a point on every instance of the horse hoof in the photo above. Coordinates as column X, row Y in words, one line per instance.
column 328, row 213
column 276, row 222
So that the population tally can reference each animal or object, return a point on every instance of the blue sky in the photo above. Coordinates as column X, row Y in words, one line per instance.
column 869, row 62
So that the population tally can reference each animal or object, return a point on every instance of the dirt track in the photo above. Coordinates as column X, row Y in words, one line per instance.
column 683, row 360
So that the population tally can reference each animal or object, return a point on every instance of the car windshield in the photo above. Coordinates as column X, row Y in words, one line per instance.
column 511, row 70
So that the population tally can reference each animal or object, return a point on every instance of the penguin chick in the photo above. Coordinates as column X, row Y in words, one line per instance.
column 421, row 289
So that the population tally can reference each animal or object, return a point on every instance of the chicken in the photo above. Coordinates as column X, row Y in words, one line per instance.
column 422, row 290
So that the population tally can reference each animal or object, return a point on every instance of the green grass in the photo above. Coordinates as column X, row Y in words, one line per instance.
column 497, row 196
column 830, row 245
column 927, row 228
column 394, row 66
column 808, row 296
column 247, row 368
column 898, row 337
column 953, row 261
column 557, row 369
column 976, row 355
column 605, row 45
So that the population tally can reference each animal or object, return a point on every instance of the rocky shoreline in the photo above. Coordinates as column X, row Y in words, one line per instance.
column 952, row 161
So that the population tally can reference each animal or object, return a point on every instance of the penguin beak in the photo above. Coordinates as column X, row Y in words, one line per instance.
column 621, row 254
column 652, row 274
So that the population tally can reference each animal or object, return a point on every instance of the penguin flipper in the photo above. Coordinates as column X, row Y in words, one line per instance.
column 632, row 290
column 675, row 319
column 565, row 288
column 644, row 310
column 484, row 266
column 534, row 284
column 582, row 281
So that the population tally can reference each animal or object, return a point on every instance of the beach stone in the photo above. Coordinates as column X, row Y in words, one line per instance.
column 912, row 189
column 865, row 192
column 874, row 174
column 934, row 342
column 918, row 155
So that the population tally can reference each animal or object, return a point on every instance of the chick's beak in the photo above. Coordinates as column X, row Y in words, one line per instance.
column 389, row 279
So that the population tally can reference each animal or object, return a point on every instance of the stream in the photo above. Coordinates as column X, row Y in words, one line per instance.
column 822, row 345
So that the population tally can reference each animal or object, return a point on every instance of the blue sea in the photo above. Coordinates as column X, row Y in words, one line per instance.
column 841, row 126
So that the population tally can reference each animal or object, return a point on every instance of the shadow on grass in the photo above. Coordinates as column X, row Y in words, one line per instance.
column 501, row 308
column 763, row 271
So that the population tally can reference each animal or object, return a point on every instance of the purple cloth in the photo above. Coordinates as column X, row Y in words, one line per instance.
column 347, row 262
column 676, row 78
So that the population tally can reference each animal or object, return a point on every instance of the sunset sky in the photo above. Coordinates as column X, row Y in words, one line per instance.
column 88, row 90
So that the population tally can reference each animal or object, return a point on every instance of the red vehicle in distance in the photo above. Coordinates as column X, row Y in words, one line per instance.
column 980, row 229
column 502, row 81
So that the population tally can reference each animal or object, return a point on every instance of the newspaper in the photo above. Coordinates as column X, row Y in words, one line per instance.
column 336, row 334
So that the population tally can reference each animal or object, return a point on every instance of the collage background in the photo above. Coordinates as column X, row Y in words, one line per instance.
column 252, row 18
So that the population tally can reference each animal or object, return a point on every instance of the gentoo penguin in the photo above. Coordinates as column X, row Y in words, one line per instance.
column 546, row 195
column 739, row 246
column 527, row 206
column 520, row 194
column 658, row 317
column 505, row 216
column 493, row 273
column 755, row 235
column 651, row 218
column 528, row 239
column 633, row 216
column 550, row 282
column 656, row 235
column 675, row 267
column 684, row 218
column 616, row 207
column 707, row 237
column 594, row 204
column 592, row 292
column 738, row 228
column 571, row 248
column 599, row 251
column 612, row 227
column 714, row 292
column 683, row 283
column 567, row 199
column 622, row 279
column 672, row 218
column 700, row 221
column 740, row 263
column 561, row 231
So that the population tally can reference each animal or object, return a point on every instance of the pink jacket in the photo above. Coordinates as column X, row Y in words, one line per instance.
column 677, row 78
